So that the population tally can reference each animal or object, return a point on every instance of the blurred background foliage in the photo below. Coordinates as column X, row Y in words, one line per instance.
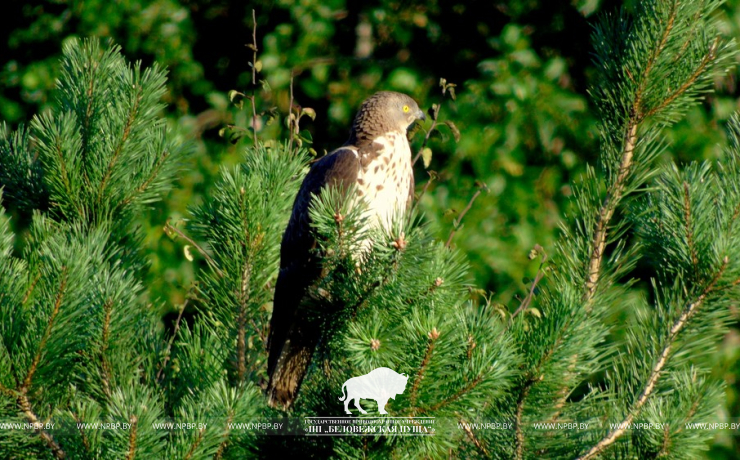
column 522, row 70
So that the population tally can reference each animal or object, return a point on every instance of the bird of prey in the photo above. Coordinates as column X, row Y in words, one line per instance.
column 377, row 160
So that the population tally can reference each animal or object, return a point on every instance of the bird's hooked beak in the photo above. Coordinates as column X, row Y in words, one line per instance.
column 421, row 115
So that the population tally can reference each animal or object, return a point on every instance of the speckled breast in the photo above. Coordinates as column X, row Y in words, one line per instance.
column 385, row 181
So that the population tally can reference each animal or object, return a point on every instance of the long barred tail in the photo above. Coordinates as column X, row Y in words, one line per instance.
column 291, row 368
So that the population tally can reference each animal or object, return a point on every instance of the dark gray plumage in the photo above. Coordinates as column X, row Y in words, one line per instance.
column 377, row 158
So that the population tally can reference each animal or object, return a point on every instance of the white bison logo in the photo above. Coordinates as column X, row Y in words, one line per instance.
column 380, row 385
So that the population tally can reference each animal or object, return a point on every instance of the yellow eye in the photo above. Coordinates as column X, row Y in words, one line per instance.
column 406, row 108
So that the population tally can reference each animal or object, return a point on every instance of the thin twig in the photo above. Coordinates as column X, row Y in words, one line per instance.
column 432, row 176
column 435, row 116
column 528, row 299
column 456, row 223
column 167, row 352
column 299, row 68
column 290, row 113
column 259, row 331
column 211, row 262
column 254, row 76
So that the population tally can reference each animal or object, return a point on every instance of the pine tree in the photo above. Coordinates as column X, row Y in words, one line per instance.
column 79, row 340
column 81, row 344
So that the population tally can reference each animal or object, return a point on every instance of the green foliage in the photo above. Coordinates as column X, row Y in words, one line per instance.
column 628, row 303
column 242, row 225
column 103, row 154
column 78, row 338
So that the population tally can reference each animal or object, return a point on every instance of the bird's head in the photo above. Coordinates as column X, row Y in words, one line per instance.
column 386, row 111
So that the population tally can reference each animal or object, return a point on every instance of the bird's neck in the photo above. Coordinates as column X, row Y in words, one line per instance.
column 363, row 134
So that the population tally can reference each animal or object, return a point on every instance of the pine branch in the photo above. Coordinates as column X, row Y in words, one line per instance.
column 133, row 421
column 614, row 195
column 88, row 116
column 695, row 21
column 678, row 326
column 168, row 351
column 145, row 185
column 607, row 211
column 25, row 406
column 518, row 419
column 30, row 289
column 636, row 117
column 133, row 112
column 653, row 58
column 65, row 175
column 433, row 336
column 458, row 394
column 225, row 442
column 474, row 439
column 83, row 435
column 708, row 59
column 530, row 382
column 47, row 331
column 198, row 441
column 664, row 446
column 689, row 230
column 241, row 322
column 104, row 365
column 563, row 392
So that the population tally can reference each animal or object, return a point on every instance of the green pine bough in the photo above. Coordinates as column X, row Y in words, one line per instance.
column 87, row 372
